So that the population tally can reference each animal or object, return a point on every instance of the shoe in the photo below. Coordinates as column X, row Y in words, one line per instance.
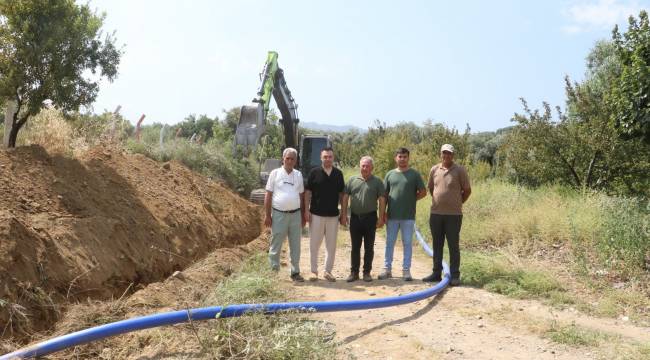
column 406, row 275
column 385, row 275
column 353, row 277
column 454, row 282
column 367, row 277
column 329, row 277
column 313, row 276
column 297, row 278
column 433, row 278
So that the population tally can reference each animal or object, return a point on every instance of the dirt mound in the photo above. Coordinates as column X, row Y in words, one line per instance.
column 93, row 227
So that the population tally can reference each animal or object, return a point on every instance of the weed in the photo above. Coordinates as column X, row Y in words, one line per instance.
column 576, row 336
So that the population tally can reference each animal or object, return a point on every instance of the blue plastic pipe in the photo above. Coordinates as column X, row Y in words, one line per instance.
column 176, row 317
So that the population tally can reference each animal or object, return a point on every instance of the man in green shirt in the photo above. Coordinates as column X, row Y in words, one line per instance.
column 404, row 187
column 363, row 193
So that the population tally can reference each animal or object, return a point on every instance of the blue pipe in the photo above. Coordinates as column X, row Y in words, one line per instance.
column 175, row 317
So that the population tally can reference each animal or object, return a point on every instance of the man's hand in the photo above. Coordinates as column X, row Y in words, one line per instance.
column 267, row 221
column 343, row 219
column 306, row 218
column 303, row 220
column 380, row 222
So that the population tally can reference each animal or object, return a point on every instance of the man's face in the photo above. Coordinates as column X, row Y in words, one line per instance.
column 402, row 160
column 447, row 157
column 366, row 168
column 289, row 161
column 327, row 158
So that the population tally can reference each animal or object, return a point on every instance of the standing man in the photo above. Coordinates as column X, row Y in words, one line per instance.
column 324, row 193
column 363, row 192
column 404, row 187
column 284, row 205
column 450, row 188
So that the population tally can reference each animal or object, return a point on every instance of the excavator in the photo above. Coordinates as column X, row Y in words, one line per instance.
column 253, row 120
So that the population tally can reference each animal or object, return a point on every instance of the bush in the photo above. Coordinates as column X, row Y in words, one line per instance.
column 213, row 159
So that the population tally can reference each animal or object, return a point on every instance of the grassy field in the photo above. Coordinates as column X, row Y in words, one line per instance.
column 287, row 335
column 557, row 244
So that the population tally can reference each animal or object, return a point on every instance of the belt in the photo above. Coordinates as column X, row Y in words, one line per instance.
column 366, row 214
column 288, row 211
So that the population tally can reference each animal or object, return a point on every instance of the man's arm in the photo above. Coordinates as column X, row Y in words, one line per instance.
column 302, row 208
column 344, row 209
column 466, row 193
column 306, row 198
column 382, row 210
column 268, row 198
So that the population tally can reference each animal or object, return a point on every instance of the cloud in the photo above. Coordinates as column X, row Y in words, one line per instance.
column 585, row 16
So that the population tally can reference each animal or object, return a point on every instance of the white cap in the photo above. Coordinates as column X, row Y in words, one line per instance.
column 447, row 147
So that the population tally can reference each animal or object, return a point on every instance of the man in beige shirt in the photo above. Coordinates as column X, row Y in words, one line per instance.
column 449, row 187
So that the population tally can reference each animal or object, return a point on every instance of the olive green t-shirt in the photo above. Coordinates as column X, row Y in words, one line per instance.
column 401, row 190
column 364, row 193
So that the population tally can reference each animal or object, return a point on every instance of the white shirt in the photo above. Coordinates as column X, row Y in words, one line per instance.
column 286, row 189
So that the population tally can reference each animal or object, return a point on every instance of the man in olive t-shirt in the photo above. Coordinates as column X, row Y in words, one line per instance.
column 363, row 191
column 404, row 187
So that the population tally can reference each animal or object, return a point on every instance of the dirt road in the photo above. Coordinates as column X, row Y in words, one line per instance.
column 460, row 323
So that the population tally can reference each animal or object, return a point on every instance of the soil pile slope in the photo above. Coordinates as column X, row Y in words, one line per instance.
column 92, row 227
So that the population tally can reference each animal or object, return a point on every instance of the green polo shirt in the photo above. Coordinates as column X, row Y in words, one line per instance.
column 364, row 193
column 402, row 188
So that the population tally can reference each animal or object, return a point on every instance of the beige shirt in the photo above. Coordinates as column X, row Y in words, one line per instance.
column 447, row 187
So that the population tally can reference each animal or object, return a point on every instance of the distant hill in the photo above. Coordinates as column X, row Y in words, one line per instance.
column 330, row 128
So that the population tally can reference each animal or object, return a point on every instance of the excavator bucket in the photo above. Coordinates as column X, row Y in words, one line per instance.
column 250, row 126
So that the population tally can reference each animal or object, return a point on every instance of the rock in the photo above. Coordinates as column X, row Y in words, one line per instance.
column 618, row 285
column 371, row 294
column 450, row 349
column 178, row 275
column 481, row 325
column 625, row 318
column 166, row 166
column 59, row 197
column 479, row 317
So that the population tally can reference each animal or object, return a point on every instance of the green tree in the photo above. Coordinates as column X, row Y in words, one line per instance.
column 46, row 51
column 630, row 95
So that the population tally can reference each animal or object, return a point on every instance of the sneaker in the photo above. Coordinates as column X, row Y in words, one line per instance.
column 353, row 277
column 367, row 277
column 296, row 277
column 454, row 282
column 385, row 275
column 406, row 275
column 329, row 277
column 313, row 276
column 433, row 278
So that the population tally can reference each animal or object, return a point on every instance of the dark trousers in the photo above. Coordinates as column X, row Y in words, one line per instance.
column 362, row 230
column 446, row 226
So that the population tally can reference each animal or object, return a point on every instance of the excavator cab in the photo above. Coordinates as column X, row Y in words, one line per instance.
column 311, row 146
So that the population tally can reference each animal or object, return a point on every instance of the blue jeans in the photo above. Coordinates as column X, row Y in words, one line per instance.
column 392, row 227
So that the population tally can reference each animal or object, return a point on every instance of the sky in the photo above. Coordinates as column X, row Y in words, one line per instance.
column 351, row 62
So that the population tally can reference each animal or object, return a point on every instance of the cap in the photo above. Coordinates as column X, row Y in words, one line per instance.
column 447, row 147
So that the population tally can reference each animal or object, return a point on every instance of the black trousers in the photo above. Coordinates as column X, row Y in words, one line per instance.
column 362, row 230
column 446, row 226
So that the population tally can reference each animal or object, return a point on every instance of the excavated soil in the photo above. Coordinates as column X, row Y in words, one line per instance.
column 100, row 226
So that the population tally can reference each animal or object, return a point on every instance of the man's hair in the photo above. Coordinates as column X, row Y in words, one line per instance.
column 291, row 151
column 368, row 158
column 402, row 150
column 329, row 148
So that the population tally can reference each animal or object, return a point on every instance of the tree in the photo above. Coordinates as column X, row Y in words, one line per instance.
column 47, row 48
column 630, row 95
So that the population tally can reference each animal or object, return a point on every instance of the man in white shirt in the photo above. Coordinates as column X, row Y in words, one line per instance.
column 284, row 205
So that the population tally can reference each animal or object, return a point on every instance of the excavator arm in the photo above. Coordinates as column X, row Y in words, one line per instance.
column 252, row 118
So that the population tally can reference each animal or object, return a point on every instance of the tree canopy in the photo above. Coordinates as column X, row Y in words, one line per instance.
column 54, row 50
